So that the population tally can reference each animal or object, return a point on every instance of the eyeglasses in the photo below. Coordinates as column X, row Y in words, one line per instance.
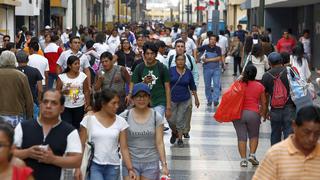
column 141, row 96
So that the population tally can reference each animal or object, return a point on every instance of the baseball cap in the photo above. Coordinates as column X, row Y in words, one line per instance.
column 275, row 58
column 47, row 27
column 140, row 87
column 68, row 27
column 22, row 56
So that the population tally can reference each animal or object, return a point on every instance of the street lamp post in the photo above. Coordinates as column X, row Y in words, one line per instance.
column 103, row 15
column 119, row 2
column 74, row 17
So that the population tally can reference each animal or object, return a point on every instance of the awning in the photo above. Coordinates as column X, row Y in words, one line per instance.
column 200, row 8
column 243, row 20
column 288, row 3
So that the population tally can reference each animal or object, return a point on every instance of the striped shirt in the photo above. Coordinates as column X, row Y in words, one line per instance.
column 284, row 161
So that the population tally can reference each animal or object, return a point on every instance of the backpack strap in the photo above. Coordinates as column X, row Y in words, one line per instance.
column 155, row 118
column 140, row 68
column 127, row 115
column 188, row 57
column 191, row 64
column 170, row 61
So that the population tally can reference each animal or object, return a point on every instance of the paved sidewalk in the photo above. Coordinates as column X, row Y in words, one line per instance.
column 211, row 153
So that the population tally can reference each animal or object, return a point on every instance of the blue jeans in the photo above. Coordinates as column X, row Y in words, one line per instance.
column 35, row 111
column 281, row 121
column 104, row 172
column 51, row 78
column 161, row 109
column 209, row 76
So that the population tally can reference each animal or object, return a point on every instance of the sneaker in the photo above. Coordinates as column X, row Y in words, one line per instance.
column 173, row 138
column 165, row 128
column 234, row 74
column 186, row 135
column 216, row 103
column 209, row 103
column 244, row 163
column 253, row 160
column 180, row 143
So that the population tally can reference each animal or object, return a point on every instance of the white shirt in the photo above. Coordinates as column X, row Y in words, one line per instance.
column 161, row 58
column 75, row 97
column 101, row 48
column 260, row 64
column 73, row 142
column 306, row 45
column 106, row 140
column 64, row 38
column 303, row 69
column 41, row 63
column 190, row 46
column 223, row 44
column 62, row 61
column 167, row 40
column 114, row 43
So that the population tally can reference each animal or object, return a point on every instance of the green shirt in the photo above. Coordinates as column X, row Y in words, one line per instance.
column 158, row 94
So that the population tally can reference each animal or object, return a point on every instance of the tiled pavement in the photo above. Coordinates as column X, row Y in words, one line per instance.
column 211, row 153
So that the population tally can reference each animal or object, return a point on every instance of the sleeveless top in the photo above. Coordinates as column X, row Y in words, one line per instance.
column 118, row 83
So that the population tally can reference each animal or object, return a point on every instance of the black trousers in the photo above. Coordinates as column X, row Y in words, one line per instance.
column 236, row 64
column 73, row 116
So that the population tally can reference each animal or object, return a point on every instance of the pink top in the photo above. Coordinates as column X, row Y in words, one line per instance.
column 252, row 96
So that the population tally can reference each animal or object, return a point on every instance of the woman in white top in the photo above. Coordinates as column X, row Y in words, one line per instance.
column 107, row 131
column 299, row 61
column 100, row 46
column 145, row 136
column 75, row 86
column 259, row 60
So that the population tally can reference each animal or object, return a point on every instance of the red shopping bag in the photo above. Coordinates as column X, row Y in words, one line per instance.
column 231, row 104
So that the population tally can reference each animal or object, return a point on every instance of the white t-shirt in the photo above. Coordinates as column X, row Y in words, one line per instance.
column 75, row 97
column 113, row 43
column 303, row 69
column 106, row 140
column 261, row 64
column 62, row 61
column 41, row 63
column 73, row 142
column 223, row 44
column 101, row 48
column 306, row 45
column 161, row 58
column 167, row 40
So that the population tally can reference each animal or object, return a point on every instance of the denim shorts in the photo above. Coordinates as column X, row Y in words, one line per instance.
column 102, row 172
column 150, row 170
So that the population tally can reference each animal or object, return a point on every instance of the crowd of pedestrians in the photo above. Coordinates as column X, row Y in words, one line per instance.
column 121, row 89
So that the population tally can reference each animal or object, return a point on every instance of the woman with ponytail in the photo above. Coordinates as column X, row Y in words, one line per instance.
column 75, row 87
column 249, row 123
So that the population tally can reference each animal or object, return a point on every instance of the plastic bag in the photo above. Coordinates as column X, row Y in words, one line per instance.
column 228, row 59
column 231, row 104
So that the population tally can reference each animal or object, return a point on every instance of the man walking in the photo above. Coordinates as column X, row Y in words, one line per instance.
column 48, row 144
column 212, row 70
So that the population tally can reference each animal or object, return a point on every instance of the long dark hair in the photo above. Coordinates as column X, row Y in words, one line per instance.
column 298, row 52
column 8, row 130
column 248, row 44
column 70, row 61
column 249, row 73
column 102, row 97
column 257, row 51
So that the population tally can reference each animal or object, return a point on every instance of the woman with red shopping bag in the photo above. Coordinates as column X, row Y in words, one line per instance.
column 245, row 106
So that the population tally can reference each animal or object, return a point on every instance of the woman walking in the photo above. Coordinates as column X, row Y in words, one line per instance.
column 259, row 60
column 125, row 56
column 75, row 86
column 249, row 123
column 107, row 131
column 299, row 61
column 145, row 136
column 181, row 83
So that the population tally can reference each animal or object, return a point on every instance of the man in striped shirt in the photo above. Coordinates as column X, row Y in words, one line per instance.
column 297, row 157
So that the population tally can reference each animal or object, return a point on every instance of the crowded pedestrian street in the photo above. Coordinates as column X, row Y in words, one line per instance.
column 159, row 90
column 211, row 152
